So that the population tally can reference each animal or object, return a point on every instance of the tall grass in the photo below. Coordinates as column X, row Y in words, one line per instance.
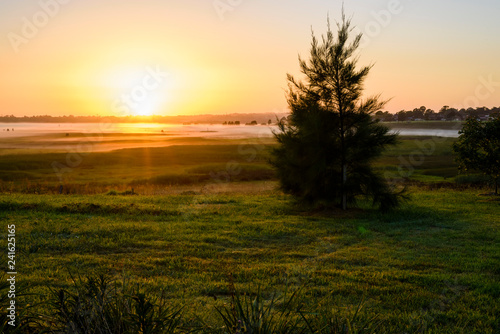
column 97, row 304
column 26, row 320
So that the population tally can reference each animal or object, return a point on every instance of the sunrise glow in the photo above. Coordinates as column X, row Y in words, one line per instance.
column 90, row 58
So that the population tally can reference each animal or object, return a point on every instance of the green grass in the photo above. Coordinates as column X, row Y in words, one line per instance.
column 423, row 159
column 216, row 225
column 432, row 264
column 243, row 160
column 429, row 159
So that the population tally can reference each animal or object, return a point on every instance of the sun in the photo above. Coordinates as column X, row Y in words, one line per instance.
column 138, row 91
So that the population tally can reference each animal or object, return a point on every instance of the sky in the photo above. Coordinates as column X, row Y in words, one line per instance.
column 186, row 57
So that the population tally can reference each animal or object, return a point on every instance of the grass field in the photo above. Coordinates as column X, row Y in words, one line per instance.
column 432, row 266
column 184, row 161
column 432, row 125
column 191, row 161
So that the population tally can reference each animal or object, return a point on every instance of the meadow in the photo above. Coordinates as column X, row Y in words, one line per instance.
column 202, row 224
column 189, row 161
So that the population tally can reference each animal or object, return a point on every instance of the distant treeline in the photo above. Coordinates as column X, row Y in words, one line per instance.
column 418, row 114
column 205, row 119
column 445, row 114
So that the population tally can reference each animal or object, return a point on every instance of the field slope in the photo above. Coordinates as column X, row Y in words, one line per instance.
column 433, row 265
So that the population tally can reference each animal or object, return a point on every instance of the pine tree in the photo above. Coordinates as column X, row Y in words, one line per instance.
column 327, row 145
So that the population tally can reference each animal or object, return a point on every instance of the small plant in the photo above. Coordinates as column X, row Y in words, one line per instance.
column 153, row 315
column 99, row 305
column 113, row 192
column 258, row 315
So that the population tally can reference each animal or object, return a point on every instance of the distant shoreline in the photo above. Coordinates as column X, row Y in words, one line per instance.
column 176, row 120
column 440, row 125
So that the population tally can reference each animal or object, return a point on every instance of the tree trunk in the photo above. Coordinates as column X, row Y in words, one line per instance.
column 343, row 155
column 344, row 180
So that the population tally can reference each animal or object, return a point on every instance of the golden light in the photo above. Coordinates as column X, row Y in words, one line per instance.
column 140, row 91
column 124, row 89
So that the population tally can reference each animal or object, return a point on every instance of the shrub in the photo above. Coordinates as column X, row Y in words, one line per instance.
column 99, row 305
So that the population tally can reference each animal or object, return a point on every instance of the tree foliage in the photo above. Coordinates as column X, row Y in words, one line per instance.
column 328, row 143
column 478, row 148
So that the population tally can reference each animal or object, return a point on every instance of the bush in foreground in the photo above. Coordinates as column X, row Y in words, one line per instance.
column 99, row 305
column 478, row 148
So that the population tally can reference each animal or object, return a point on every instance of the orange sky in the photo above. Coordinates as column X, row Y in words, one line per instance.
column 206, row 57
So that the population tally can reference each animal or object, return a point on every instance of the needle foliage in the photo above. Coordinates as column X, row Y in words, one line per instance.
column 329, row 141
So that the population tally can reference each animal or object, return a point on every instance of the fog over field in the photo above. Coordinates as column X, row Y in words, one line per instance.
column 108, row 137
